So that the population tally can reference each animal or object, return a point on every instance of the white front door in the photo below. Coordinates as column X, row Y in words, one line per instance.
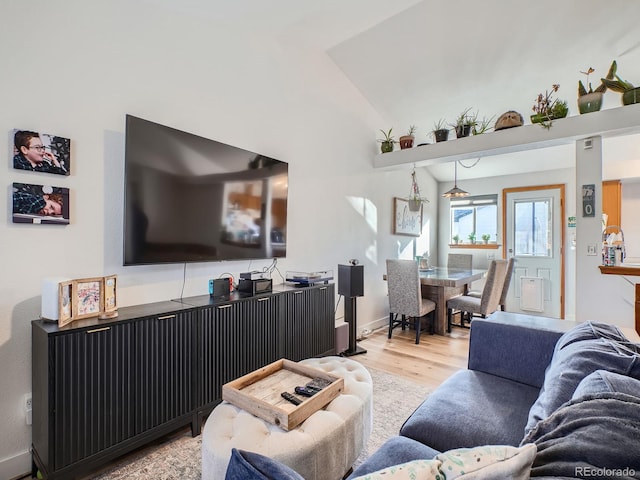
column 534, row 236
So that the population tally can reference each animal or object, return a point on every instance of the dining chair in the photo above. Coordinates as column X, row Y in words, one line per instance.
column 405, row 297
column 463, row 261
column 505, row 288
column 487, row 303
column 460, row 260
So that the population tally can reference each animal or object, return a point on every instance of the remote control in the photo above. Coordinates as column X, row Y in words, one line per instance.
column 306, row 391
column 291, row 398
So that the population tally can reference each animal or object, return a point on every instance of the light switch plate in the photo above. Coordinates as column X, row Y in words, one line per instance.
column 592, row 249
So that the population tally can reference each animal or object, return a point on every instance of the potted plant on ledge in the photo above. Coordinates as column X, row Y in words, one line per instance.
column 591, row 100
column 388, row 141
column 464, row 123
column 456, row 239
column 406, row 141
column 482, row 126
column 472, row 237
column 546, row 109
column 485, row 238
column 440, row 132
column 630, row 94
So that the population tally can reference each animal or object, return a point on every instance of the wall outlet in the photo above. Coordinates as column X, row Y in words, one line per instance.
column 592, row 249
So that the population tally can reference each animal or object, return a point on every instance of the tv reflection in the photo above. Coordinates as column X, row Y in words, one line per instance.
column 246, row 220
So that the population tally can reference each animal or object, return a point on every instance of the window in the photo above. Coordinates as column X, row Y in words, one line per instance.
column 475, row 215
column 533, row 227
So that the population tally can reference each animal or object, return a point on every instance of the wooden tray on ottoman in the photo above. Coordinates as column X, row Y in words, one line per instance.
column 259, row 392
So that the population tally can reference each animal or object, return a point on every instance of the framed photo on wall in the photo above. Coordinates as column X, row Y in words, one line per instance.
column 406, row 222
column 87, row 297
column 41, row 152
column 40, row 204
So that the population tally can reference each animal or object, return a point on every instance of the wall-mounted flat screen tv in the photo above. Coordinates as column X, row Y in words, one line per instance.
column 192, row 199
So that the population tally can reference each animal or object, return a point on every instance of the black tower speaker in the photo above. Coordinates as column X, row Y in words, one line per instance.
column 351, row 285
column 351, row 280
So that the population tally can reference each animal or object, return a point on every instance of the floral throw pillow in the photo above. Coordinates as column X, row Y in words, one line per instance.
column 414, row 470
column 479, row 463
column 488, row 462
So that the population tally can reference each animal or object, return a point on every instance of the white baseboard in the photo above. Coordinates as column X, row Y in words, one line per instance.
column 371, row 326
column 16, row 467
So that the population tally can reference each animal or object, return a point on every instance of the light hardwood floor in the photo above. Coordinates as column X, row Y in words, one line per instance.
column 429, row 363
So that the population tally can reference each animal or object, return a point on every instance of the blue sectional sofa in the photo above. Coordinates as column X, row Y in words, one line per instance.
column 571, row 389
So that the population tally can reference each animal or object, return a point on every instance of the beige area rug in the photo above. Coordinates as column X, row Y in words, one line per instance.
column 178, row 456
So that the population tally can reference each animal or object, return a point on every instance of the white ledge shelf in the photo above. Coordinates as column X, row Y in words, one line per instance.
column 606, row 123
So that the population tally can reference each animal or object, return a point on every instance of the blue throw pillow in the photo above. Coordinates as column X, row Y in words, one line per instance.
column 253, row 466
column 579, row 352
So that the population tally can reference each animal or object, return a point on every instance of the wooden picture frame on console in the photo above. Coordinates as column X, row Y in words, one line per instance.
column 110, row 298
column 87, row 297
column 65, row 310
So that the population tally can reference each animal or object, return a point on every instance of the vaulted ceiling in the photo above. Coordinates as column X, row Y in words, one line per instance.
column 419, row 61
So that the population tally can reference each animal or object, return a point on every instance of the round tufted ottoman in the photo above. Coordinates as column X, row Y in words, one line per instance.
column 323, row 447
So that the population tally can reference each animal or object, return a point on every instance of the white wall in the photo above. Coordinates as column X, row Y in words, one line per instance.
column 629, row 219
column 76, row 68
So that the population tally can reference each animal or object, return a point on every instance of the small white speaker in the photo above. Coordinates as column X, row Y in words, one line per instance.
column 50, row 290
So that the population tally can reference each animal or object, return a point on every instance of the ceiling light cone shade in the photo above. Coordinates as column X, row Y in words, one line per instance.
column 455, row 191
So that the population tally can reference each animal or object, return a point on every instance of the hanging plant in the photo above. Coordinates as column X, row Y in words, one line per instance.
column 415, row 200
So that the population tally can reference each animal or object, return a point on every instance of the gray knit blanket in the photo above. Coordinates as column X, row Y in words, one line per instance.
column 595, row 436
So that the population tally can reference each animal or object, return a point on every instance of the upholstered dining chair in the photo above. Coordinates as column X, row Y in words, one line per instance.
column 507, row 284
column 405, row 297
column 505, row 288
column 488, row 301
column 463, row 261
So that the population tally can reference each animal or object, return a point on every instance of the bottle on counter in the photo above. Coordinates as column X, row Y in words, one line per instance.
column 618, row 256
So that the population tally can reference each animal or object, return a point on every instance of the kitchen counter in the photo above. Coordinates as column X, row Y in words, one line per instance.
column 624, row 269
column 632, row 269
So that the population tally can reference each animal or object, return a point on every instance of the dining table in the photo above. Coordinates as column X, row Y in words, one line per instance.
column 441, row 283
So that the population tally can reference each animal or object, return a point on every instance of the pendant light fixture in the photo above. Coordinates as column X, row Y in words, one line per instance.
column 455, row 192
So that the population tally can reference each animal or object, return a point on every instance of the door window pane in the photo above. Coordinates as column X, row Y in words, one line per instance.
column 533, row 228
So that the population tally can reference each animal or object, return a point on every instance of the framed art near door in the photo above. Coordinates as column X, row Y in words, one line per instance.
column 406, row 222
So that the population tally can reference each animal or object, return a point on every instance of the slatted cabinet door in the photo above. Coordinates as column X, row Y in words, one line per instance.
column 163, row 366
column 308, row 323
column 92, row 395
column 236, row 338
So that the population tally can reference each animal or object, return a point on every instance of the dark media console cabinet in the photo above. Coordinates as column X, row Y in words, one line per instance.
column 102, row 388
